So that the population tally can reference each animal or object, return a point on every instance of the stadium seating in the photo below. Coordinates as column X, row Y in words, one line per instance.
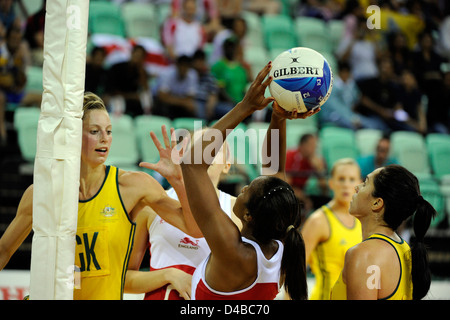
column 254, row 35
column 34, row 79
column 337, row 143
column 26, row 123
column 189, row 124
column 410, row 150
column 140, row 20
column 277, row 32
column 257, row 57
column 105, row 17
column 294, row 133
column 431, row 192
column 335, row 30
column 144, row 124
column 313, row 33
column 242, row 148
column 438, row 146
column 367, row 140
column 124, row 151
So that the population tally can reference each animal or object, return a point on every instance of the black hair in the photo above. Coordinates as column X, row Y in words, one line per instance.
column 276, row 214
column 183, row 60
column 400, row 191
column 305, row 138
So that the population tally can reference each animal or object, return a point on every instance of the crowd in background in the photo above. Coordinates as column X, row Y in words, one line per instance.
column 394, row 78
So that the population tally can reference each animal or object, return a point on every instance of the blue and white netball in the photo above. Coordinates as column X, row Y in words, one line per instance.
column 302, row 79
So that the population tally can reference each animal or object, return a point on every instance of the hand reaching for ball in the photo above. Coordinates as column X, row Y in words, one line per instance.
column 292, row 114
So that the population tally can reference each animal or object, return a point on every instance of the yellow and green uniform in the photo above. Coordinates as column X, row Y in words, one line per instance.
column 404, row 288
column 327, row 259
column 104, row 241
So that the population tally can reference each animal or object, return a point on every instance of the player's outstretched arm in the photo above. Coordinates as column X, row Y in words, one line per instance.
column 19, row 229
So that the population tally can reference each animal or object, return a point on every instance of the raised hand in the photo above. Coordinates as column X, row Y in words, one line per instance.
column 254, row 99
column 169, row 156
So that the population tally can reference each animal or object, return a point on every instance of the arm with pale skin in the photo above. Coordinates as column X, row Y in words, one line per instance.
column 172, row 172
column 19, row 229
column 137, row 281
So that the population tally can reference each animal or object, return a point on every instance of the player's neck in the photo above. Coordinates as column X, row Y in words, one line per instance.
column 339, row 207
column 91, row 178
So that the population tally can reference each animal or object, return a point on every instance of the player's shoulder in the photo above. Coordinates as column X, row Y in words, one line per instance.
column 126, row 177
column 318, row 217
column 371, row 251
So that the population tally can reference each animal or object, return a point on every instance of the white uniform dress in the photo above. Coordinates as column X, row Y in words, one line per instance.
column 265, row 287
column 171, row 247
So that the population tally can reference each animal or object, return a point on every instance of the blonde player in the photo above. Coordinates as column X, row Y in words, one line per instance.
column 174, row 255
column 384, row 266
column 109, row 201
column 330, row 231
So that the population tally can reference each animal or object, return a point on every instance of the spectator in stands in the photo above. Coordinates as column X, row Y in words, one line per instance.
column 34, row 35
column 351, row 14
column 445, row 118
column 207, row 91
column 397, row 50
column 232, row 77
column 340, row 106
column 324, row 10
column 184, row 34
column 263, row 6
column 176, row 90
column 128, row 82
column 427, row 70
column 238, row 30
column 229, row 10
column 379, row 97
column 379, row 159
column 7, row 14
column 96, row 72
column 208, row 14
column 302, row 163
column 361, row 52
column 409, row 113
column 12, row 74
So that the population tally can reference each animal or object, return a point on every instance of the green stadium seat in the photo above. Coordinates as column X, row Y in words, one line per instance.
column 189, row 124
column 34, row 79
column 410, row 150
column 337, row 143
column 242, row 146
column 26, row 123
column 336, row 29
column 140, row 20
column 254, row 35
column 431, row 192
column 313, row 33
column 144, row 124
column 295, row 132
column 257, row 57
column 367, row 140
column 124, row 150
column 105, row 17
column 277, row 32
column 438, row 146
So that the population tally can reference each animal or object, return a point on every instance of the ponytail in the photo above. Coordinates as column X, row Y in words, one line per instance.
column 399, row 187
column 293, row 265
column 421, row 274
column 276, row 214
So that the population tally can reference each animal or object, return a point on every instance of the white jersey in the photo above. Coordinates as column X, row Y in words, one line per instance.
column 171, row 247
column 265, row 287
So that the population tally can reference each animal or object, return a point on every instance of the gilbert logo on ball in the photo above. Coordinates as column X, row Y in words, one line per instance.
column 302, row 79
